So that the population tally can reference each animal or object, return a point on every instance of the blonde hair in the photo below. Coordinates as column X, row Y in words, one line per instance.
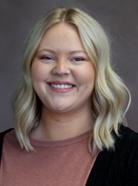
column 109, row 95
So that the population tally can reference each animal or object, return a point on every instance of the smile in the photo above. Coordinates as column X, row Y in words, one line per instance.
column 61, row 88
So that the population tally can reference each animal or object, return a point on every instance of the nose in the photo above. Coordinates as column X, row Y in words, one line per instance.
column 61, row 68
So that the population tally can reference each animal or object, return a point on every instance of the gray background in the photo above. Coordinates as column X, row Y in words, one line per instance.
column 118, row 17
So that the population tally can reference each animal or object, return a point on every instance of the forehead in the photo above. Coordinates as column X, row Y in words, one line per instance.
column 62, row 36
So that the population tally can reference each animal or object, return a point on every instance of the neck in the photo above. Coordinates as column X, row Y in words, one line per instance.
column 59, row 126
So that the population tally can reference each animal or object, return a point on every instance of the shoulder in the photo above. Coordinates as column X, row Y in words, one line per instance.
column 128, row 137
column 3, row 133
column 126, row 148
column 127, row 141
column 127, row 131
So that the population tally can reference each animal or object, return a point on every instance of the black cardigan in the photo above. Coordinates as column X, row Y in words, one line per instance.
column 113, row 168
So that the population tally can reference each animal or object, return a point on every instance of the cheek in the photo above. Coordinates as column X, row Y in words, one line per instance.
column 38, row 76
column 90, row 72
column 87, row 75
column 38, row 72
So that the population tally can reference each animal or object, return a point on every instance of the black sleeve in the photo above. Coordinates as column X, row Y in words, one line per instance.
column 132, row 176
column 2, row 134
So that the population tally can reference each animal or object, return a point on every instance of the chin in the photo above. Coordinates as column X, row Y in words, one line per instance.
column 60, row 109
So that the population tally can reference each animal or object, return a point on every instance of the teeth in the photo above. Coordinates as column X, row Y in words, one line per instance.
column 61, row 85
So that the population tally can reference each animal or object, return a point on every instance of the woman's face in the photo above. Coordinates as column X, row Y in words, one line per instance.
column 62, row 74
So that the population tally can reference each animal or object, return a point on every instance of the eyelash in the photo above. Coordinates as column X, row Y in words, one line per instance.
column 44, row 57
column 78, row 59
column 74, row 59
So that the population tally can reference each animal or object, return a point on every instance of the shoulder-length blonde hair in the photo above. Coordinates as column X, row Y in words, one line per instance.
column 109, row 95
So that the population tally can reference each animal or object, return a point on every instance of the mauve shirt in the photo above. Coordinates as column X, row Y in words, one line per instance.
column 54, row 163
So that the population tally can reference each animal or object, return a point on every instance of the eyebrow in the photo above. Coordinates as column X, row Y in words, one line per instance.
column 71, row 51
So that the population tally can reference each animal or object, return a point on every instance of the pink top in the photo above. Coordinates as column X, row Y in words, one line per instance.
column 55, row 163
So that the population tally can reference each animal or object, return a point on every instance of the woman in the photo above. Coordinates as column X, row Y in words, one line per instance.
column 69, row 110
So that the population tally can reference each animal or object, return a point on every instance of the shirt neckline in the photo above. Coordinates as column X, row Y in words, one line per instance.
column 60, row 143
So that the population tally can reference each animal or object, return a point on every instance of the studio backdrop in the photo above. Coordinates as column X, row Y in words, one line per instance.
column 119, row 19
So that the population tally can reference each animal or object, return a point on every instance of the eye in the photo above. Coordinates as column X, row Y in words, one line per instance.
column 46, row 58
column 78, row 59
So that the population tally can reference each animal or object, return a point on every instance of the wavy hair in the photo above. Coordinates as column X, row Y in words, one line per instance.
column 110, row 98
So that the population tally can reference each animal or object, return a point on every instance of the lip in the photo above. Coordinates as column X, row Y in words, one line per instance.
column 59, row 90
column 61, row 82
